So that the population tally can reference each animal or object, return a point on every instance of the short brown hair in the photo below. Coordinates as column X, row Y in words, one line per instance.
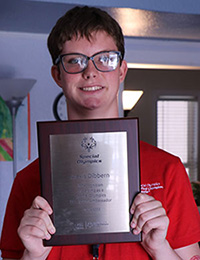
column 82, row 21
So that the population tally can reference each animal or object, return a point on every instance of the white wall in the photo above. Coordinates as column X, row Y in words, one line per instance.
column 184, row 53
column 26, row 56
column 183, row 6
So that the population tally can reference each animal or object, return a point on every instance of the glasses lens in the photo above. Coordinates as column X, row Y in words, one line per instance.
column 103, row 61
column 106, row 61
column 74, row 63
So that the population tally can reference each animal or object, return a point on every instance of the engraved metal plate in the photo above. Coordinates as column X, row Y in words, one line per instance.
column 90, row 183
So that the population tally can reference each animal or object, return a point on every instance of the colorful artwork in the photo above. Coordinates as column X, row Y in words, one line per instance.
column 22, row 131
column 6, row 147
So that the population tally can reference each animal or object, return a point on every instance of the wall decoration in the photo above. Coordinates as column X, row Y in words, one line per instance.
column 6, row 146
column 22, row 130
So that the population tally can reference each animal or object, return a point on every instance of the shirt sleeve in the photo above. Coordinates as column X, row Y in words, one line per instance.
column 184, row 227
column 11, row 245
column 25, row 188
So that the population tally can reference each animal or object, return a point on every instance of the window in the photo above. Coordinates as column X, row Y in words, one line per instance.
column 177, row 129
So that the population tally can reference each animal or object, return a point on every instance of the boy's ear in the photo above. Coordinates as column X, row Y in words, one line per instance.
column 55, row 73
column 123, row 71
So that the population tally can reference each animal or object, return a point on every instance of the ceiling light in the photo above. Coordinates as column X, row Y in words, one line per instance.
column 130, row 98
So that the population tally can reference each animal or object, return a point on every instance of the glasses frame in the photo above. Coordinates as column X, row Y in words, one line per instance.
column 60, row 60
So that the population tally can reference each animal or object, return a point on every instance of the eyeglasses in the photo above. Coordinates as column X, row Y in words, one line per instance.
column 104, row 61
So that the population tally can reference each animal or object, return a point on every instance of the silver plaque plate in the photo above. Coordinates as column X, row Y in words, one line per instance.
column 90, row 183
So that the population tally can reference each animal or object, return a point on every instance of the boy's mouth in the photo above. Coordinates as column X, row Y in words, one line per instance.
column 92, row 88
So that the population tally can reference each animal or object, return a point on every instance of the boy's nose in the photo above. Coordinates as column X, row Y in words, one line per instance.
column 90, row 71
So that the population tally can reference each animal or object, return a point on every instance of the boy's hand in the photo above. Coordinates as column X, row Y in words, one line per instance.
column 149, row 217
column 35, row 226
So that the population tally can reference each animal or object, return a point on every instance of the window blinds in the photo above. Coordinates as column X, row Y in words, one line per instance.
column 177, row 130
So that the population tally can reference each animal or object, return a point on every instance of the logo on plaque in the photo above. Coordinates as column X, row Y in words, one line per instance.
column 88, row 143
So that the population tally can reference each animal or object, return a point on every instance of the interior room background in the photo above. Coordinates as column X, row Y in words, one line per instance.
column 164, row 59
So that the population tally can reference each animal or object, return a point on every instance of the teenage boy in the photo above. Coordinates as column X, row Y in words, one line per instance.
column 87, row 49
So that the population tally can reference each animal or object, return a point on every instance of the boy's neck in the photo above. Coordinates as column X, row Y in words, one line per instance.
column 92, row 114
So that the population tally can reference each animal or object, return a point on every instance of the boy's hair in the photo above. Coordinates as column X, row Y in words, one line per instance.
column 82, row 22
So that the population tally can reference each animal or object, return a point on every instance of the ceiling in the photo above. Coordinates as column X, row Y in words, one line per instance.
column 39, row 17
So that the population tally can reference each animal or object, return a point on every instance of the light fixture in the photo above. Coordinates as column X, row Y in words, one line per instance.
column 13, row 92
column 129, row 99
column 161, row 66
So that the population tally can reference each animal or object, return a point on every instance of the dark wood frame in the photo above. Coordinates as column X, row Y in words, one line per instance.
column 45, row 129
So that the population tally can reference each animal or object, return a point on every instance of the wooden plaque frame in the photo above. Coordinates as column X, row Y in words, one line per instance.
column 45, row 129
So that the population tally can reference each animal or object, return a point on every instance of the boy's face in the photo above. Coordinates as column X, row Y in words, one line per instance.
column 91, row 90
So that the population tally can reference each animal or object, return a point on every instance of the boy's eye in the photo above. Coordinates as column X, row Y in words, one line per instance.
column 75, row 61
column 104, row 58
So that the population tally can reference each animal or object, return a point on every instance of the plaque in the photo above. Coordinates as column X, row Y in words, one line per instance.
column 90, row 176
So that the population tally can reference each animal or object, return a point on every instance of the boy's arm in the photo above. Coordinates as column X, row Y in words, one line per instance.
column 191, row 252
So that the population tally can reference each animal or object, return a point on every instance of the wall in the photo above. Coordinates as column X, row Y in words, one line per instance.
column 26, row 56
column 193, row 6
column 155, row 83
